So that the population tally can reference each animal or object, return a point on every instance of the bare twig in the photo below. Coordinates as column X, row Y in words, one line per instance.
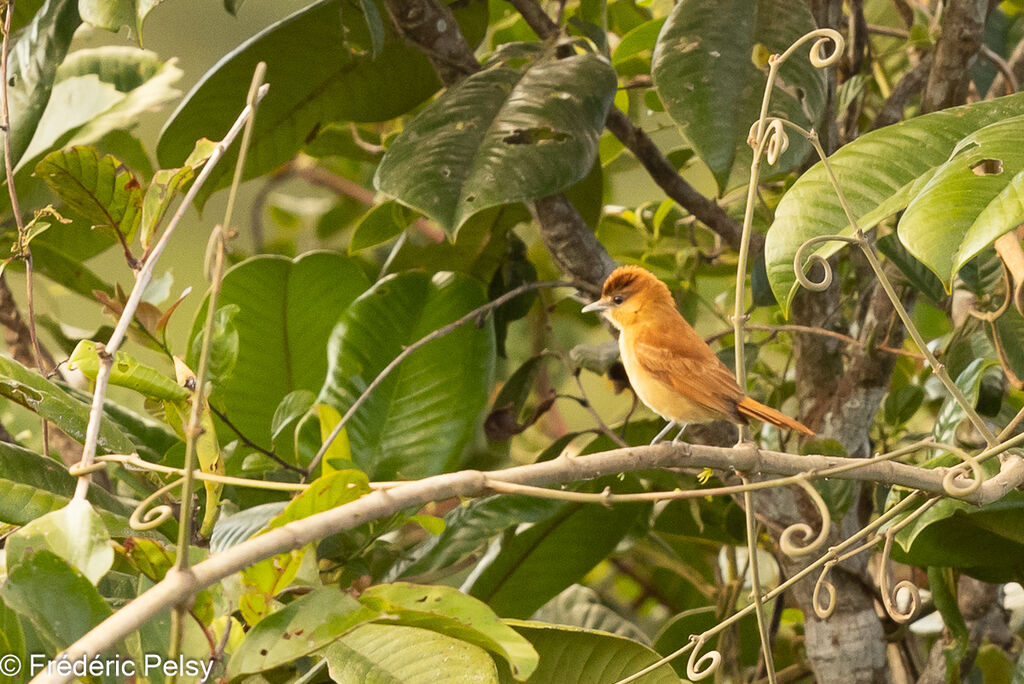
column 24, row 251
column 142, row 279
column 178, row 586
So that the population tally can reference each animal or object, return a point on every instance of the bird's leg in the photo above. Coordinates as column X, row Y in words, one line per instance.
column 680, row 433
column 664, row 432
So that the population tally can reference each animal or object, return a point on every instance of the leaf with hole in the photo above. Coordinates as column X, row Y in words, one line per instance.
column 524, row 127
column 972, row 199
column 316, row 58
column 880, row 173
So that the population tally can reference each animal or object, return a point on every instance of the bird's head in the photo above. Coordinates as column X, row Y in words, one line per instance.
column 629, row 294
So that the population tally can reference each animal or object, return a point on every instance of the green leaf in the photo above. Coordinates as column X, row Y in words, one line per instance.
column 301, row 627
column 127, row 371
column 985, row 543
column 286, row 310
column 76, row 533
column 972, row 199
column 529, row 566
column 60, row 602
column 408, row 427
column 917, row 274
column 880, row 173
column 113, row 14
column 102, row 190
column 98, row 91
column 36, row 51
column 38, row 394
column 316, row 58
column 449, row 611
column 1006, row 333
column 942, row 582
column 467, row 530
column 951, row 413
column 223, row 354
column 234, row 528
column 32, row 486
column 12, row 641
column 581, row 606
column 382, row 223
column 571, row 655
column 703, row 72
column 396, row 654
column 524, row 127
column 324, row 493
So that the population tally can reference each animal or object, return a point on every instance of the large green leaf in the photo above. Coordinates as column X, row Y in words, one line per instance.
column 418, row 420
column 983, row 542
column 571, row 655
column 703, row 71
column 317, row 59
column 301, row 627
column 57, row 599
column 449, row 611
column 880, row 173
column 524, row 127
column 523, row 570
column 286, row 310
column 971, row 200
column 397, row 654
column 38, row 394
column 32, row 486
column 99, row 90
column 468, row 529
column 76, row 533
column 36, row 52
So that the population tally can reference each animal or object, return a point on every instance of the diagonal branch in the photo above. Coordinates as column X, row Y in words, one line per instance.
column 657, row 166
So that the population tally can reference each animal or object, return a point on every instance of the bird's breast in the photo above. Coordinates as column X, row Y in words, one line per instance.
column 658, row 396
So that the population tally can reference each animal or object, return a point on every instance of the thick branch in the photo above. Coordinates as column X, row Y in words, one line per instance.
column 179, row 586
column 657, row 166
column 963, row 22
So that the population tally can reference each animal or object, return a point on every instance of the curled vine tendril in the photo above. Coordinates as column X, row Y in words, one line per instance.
column 889, row 594
column 824, row 611
column 949, row 481
column 802, row 261
column 803, row 531
column 773, row 142
column 143, row 519
column 704, row 666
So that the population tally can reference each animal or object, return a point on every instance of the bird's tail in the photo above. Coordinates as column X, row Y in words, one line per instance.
column 755, row 409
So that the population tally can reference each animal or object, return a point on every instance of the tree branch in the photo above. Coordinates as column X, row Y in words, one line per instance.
column 179, row 586
column 963, row 22
column 641, row 145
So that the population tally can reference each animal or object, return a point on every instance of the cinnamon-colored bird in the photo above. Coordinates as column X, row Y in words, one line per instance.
column 673, row 370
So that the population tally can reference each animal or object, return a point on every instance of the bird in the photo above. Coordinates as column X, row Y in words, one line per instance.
column 671, row 368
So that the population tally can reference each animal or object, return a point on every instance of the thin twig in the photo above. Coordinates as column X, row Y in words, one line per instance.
column 824, row 332
column 475, row 314
column 142, row 279
column 24, row 251
column 253, row 445
column 194, row 429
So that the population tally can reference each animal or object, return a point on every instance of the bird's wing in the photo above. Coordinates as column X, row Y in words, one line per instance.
column 701, row 377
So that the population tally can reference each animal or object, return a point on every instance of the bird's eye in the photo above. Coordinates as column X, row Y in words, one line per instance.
column 617, row 299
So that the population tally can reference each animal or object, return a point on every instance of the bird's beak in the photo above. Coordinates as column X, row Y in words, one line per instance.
column 599, row 305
